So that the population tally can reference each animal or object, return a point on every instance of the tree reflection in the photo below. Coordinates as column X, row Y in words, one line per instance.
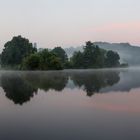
column 16, row 89
column 20, row 87
column 47, row 80
column 93, row 82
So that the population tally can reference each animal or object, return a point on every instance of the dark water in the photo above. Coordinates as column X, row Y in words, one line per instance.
column 70, row 105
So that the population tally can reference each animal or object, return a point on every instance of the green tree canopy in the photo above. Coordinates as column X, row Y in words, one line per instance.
column 49, row 60
column 59, row 52
column 44, row 60
column 77, row 60
column 112, row 59
column 20, row 53
column 31, row 62
column 15, row 50
column 94, row 57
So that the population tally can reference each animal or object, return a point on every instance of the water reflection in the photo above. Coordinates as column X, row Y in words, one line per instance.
column 20, row 87
column 93, row 82
column 47, row 81
column 16, row 88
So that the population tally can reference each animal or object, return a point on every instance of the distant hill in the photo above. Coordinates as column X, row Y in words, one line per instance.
column 128, row 53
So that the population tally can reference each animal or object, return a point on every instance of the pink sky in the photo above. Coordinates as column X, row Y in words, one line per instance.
column 70, row 23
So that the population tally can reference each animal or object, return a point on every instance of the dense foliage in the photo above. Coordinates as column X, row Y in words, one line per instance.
column 15, row 50
column 43, row 60
column 94, row 57
column 20, row 52
column 59, row 52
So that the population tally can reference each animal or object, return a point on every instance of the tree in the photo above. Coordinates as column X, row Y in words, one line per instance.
column 99, row 57
column 16, row 50
column 77, row 60
column 59, row 52
column 94, row 57
column 112, row 59
column 44, row 60
column 49, row 61
column 89, row 57
column 31, row 62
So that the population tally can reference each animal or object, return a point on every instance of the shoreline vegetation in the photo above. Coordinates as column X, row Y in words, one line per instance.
column 20, row 54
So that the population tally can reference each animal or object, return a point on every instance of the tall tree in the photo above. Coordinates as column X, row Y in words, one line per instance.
column 77, row 60
column 112, row 59
column 49, row 61
column 59, row 52
column 95, row 57
column 15, row 50
column 89, row 57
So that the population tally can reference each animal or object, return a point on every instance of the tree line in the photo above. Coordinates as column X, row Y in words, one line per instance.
column 19, row 53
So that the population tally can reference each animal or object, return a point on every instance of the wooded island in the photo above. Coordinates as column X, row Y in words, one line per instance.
column 20, row 54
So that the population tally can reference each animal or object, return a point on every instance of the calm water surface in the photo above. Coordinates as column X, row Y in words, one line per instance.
column 70, row 105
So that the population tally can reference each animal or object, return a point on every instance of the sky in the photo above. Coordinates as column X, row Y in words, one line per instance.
column 66, row 23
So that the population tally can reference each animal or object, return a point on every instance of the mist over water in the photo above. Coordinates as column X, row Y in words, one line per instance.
column 77, row 101
column 70, row 104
